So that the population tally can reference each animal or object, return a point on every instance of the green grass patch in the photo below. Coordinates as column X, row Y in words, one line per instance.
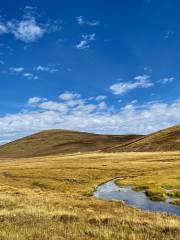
column 174, row 194
column 156, row 194
column 175, row 201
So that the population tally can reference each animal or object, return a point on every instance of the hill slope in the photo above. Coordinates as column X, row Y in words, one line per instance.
column 66, row 142
column 164, row 140
column 62, row 141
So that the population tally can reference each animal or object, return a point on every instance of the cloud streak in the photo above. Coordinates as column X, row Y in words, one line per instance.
column 30, row 76
column 81, row 21
column 16, row 69
column 49, row 68
column 141, row 81
column 86, row 40
column 167, row 80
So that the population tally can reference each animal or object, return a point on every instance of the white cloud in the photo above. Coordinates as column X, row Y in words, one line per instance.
column 141, row 81
column 42, row 113
column 42, row 68
column 83, row 45
column 28, row 29
column 169, row 34
column 54, row 106
column 3, row 28
column 147, row 69
column 85, row 42
column 49, row 68
column 16, row 69
column 102, row 105
column 82, row 21
column 98, row 98
column 69, row 96
column 34, row 100
column 167, row 80
column 89, row 37
column 30, row 76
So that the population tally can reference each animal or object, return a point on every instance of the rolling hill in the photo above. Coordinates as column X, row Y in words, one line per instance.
column 164, row 140
column 62, row 142
column 51, row 142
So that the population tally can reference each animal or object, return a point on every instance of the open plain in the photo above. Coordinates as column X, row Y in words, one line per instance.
column 50, row 197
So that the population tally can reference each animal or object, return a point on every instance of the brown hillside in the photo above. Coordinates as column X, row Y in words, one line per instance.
column 164, row 140
column 62, row 142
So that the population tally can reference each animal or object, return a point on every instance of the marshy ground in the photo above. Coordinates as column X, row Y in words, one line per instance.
column 50, row 197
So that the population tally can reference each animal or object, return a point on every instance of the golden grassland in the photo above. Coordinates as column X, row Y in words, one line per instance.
column 50, row 198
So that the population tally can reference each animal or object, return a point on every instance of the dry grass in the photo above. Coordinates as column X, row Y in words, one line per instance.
column 164, row 140
column 49, row 198
column 62, row 142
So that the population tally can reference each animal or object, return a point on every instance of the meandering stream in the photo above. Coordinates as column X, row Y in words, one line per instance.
column 111, row 191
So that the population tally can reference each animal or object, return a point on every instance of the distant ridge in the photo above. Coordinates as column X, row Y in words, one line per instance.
column 165, row 140
column 51, row 142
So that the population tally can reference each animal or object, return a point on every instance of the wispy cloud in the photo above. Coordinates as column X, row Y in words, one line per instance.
column 42, row 68
column 82, row 21
column 16, row 69
column 169, row 34
column 49, row 68
column 98, row 98
column 30, row 76
column 167, row 80
column 147, row 69
column 3, row 28
column 54, row 106
column 86, row 40
column 141, row 81
column 31, row 73
column 66, row 96
column 34, row 100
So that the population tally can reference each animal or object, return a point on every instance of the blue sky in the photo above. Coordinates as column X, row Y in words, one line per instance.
column 98, row 66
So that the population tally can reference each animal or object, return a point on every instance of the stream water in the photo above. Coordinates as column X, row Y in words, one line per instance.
column 111, row 191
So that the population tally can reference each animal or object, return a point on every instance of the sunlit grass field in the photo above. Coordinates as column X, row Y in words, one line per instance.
column 50, row 198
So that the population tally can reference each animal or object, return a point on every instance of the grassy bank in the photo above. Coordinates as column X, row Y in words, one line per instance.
column 50, row 197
